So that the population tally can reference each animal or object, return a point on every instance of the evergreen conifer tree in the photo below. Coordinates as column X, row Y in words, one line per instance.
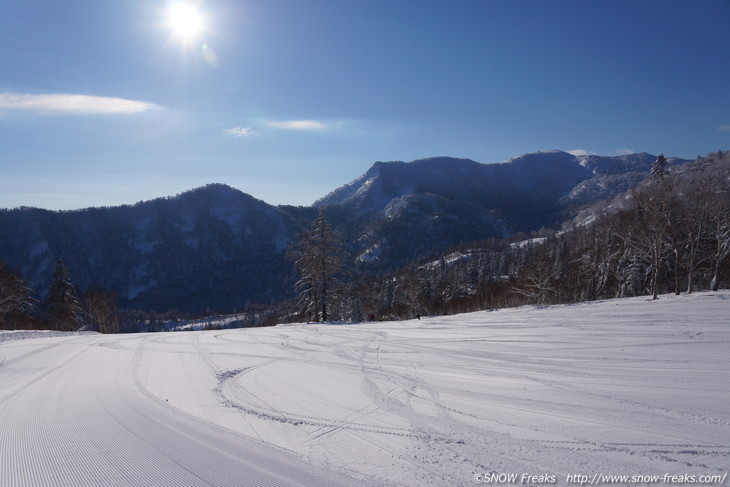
column 64, row 310
column 16, row 300
column 659, row 168
column 319, row 263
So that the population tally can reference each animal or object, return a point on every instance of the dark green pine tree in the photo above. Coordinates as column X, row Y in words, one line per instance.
column 319, row 264
column 64, row 309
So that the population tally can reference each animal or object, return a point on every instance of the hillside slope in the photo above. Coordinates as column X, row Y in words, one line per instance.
column 398, row 211
column 215, row 249
column 207, row 249
column 619, row 387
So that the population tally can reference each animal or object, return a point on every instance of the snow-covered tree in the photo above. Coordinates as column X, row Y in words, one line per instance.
column 593, row 259
column 16, row 301
column 720, row 234
column 651, row 212
column 538, row 281
column 353, row 307
column 425, row 291
column 633, row 272
column 64, row 309
column 659, row 168
column 319, row 263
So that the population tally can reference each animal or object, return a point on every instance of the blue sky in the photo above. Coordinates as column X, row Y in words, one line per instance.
column 110, row 102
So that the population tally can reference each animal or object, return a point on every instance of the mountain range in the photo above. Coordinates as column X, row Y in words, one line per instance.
column 216, row 249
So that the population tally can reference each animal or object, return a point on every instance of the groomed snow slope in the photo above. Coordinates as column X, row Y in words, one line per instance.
column 628, row 387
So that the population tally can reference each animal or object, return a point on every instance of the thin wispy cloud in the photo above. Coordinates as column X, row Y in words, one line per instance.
column 298, row 124
column 617, row 152
column 724, row 128
column 240, row 131
column 72, row 104
column 581, row 152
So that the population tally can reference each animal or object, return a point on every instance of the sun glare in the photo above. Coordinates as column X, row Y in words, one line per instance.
column 185, row 20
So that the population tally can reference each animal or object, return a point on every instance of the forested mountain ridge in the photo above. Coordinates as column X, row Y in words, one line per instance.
column 398, row 211
column 217, row 249
column 211, row 248
column 670, row 233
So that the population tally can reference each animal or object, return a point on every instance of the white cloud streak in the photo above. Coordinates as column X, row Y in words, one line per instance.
column 723, row 128
column 299, row 125
column 580, row 152
column 617, row 152
column 72, row 104
column 240, row 131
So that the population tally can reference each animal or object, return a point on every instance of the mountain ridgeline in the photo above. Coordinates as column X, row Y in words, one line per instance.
column 216, row 249
column 213, row 248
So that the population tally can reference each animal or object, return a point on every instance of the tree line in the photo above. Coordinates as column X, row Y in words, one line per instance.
column 671, row 233
column 63, row 308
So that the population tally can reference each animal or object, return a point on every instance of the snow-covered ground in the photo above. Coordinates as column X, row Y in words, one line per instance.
column 629, row 387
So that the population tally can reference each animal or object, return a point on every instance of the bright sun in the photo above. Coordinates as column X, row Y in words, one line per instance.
column 185, row 20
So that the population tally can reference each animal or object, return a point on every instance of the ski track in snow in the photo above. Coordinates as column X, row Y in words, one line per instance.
column 629, row 387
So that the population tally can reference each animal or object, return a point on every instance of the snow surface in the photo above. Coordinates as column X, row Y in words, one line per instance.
column 528, row 243
column 625, row 387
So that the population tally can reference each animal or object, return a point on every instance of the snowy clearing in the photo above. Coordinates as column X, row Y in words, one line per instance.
column 629, row 387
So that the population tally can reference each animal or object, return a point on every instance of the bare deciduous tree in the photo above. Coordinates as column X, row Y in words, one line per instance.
column 537, row 281
column 652, row 206
column 101, row 310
